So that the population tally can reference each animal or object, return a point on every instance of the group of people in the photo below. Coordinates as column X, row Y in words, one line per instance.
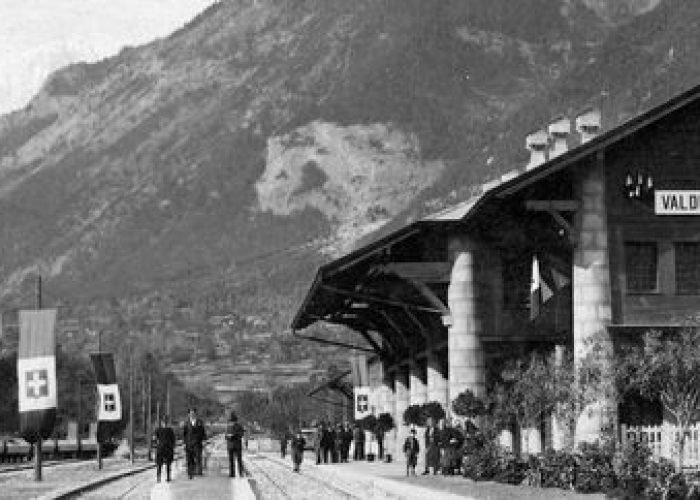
column 443, row 444
column 333, row 442
column 194, row 435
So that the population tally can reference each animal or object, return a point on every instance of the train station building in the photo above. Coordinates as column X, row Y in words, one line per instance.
column 605, row 227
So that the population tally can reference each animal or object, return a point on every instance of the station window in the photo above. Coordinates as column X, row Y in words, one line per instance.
column 641, row 263
column 687, row 268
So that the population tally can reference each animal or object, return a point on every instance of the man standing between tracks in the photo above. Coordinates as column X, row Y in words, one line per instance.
column 194, row 436
column 234, row 445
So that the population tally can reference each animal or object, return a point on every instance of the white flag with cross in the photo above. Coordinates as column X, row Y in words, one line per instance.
column 110, row 403
column 37, row 383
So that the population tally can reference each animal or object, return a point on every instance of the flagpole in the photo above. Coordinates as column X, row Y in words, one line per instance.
column 37, row 444
column 80, row 411
column 148, row 422
column 131, row 402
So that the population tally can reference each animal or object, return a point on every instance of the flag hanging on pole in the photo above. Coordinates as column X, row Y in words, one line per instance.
column 358, row 369
column 110, row 406
column 361, row 397
column 36, row 373
column 535, row 285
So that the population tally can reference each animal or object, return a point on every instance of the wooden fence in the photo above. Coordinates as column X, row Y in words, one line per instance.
column 663, row 441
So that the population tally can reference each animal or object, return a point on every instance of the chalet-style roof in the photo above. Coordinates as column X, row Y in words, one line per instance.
column 341, row 281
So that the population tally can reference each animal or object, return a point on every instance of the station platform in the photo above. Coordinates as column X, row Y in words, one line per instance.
column 204, row 488
column 388, row 480
column 215, row 483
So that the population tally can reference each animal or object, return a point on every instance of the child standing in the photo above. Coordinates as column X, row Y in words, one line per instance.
column 298, row 443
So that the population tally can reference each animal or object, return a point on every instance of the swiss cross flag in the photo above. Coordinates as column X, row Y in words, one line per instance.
column 110, row 403
column 36, row 373
column 37, row 383
column 361, row 402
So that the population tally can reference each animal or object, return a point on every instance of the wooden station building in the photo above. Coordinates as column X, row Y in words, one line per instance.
column 613, row 225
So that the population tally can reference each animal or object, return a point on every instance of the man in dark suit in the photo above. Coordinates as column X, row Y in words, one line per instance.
column 234, row 445
column 165, row 445
column 194, row 436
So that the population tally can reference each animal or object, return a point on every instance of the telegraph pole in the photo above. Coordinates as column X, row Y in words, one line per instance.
column 37, row 444
column 148, row 419
column 131, row 402
column 167, row 399
column 80, row 410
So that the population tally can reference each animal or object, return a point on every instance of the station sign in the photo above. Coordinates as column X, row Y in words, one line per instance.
column 677, row 202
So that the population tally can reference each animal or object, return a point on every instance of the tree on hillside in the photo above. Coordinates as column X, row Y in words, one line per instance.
column 667, row 367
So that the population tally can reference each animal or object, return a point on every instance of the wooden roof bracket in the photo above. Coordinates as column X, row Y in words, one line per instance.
column 555, row 208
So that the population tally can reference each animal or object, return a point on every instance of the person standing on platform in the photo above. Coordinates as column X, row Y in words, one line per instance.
column 361, row 444
column 432, row 448
column 298, row 444
column 328, row 437
column 347, row 439
column 194, row 436
column 411, row 449
column 284, row 439
column 338, row 443
column 318, row 444
column 165, row 447
column 356, row 439
column 234, row 445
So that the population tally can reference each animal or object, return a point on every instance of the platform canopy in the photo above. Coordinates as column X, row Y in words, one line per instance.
column 393, row 292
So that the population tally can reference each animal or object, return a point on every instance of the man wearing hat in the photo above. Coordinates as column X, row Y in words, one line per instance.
column 234, row 445
column 194, row 436
column 411, row 449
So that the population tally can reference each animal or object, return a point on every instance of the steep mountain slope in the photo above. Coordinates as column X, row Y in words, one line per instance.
column 238, row 153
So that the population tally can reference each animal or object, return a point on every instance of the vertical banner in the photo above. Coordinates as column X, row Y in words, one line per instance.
column 109, row 401
column 361, row 400
column 36, row 373
column 358, row 369
column 535, row 294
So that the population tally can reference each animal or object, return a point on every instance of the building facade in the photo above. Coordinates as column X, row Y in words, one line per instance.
column 608, row 230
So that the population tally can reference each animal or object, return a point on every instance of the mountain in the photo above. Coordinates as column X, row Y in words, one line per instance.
column 216, row 168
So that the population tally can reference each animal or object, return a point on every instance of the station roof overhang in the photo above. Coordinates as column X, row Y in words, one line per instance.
column 345, row 287
column 336, row 385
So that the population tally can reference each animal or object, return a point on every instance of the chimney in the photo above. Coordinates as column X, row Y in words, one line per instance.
column 536, row 143
column 588, row 124
column 559, row 130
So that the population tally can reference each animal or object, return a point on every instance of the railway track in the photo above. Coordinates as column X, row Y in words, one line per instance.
column 136, row 486
column 7, row 468
column 275, row 480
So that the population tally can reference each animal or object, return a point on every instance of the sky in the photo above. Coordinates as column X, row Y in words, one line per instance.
column 38, row 36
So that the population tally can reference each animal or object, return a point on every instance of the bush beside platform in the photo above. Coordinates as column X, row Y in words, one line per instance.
column 630, row 473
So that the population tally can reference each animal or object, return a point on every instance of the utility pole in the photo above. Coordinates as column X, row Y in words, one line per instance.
column 131, row 402
column 37, row 444
column 80, row 410
column 144, row 424
column 167, row 399
column 148, row 419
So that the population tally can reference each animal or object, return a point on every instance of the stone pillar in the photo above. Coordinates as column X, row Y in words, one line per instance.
column 592, row 311
column 465, row 353
column 437, row 382
column 418, row 389
column 386, row 390
column 401, row 402
column 558, row 427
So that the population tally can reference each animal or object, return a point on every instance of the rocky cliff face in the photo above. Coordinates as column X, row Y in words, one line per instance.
column 265, row 136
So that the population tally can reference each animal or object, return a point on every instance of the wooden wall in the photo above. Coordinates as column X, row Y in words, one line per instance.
column 669, row 151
